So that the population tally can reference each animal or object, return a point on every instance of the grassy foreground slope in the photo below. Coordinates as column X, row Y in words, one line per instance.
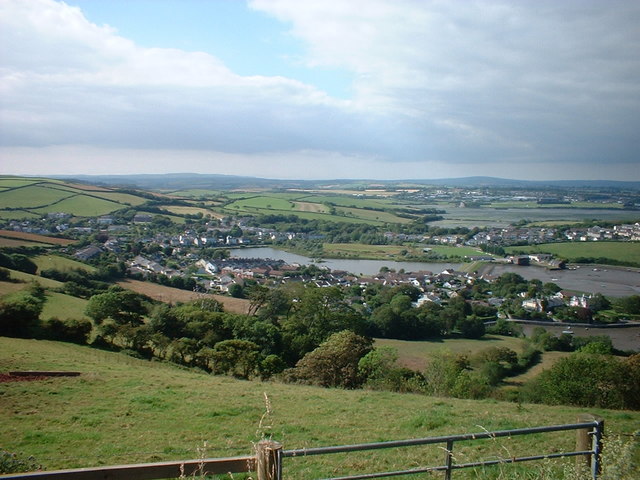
column 123, row 410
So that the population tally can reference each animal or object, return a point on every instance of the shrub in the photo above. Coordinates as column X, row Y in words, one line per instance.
column 73, row 330
column 335, row 362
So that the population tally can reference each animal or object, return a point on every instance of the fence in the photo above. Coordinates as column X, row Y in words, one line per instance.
column 268, row 460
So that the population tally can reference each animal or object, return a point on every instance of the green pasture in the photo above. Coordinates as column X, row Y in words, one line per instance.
column 17, row 214
column 415, row 355
column 374, row 215
column 9, row 182
column 26, row 278
column 45, row 262
column 122, row 410
column 384, row 252
column 546, row 362
column 7, row 288
column 310, row 207
column 359, row 250
column 451, row 251
column 63, row 307
column 196, row 193
column 182, row 210
column 32, row 197
column 307, row 215
column 284, row 195
column 348, row 201
column 620, row 251
column 81, row 206
column 124, row 198
column 261, row 203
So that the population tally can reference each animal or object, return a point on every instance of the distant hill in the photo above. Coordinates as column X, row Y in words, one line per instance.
column 182, row 181
column 27, row 197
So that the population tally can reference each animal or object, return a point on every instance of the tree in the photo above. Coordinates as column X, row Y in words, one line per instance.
column 23, row 264
column 20, row 315
column 629, row 305
column 236, row 357
column 236, row 291
column 122, row 306
column 471, row 327
column 335, row 362
column 585, row 380
column 319, row 313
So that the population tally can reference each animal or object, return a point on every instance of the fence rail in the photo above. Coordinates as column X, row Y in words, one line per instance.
column 268, row 460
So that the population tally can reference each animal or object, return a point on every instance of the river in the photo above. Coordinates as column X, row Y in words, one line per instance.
column 610, row 281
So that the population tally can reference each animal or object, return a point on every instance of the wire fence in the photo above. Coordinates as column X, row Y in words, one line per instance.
column 269, row 456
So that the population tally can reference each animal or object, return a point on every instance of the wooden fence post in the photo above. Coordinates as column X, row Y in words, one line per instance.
column 269, row 460
column 589, row 439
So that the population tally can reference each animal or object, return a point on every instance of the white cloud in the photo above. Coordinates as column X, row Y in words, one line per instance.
column 439, row 86
column 516, row 74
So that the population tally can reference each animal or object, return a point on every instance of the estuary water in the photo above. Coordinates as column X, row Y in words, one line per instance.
column 610, row 281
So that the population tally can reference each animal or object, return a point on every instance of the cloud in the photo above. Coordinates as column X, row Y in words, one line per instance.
column 509, row 79
column 438, row 86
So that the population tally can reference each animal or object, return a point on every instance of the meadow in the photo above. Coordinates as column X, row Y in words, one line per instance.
column 396, row 252
column 30, row 198
column 63, row 307
column 123, row 410
column 45, row 262
column 415, row 354
column 165, row 294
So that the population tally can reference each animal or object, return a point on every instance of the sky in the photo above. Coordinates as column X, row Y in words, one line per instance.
column 290, row 89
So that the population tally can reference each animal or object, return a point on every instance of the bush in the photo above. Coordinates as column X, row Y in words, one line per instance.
column 335, row 362
column 588, row 381
column 20, row 315
column 75, row 331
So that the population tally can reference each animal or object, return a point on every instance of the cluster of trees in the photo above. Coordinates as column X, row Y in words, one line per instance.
column 18, row 261
column 282, row 327
column 590, row 380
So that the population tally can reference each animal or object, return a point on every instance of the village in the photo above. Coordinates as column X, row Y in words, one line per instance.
column 152, row 249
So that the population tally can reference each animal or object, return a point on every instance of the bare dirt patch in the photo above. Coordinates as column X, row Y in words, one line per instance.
column 174, row 295
column 30, row 376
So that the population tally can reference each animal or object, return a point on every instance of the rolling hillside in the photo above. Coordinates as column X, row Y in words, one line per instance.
column 124, row 410
column 35, row 197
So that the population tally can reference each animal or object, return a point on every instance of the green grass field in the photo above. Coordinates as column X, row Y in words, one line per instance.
column 38, row 197
column 81, row 206
column 378, row 216
column 196, row 193
column 17, row 215
column 45, row 262
column 63, row 307
column 384, row 252
column 123, row 198
column 261, row 203
column 32, row 197
column 620, row 251
column 27, row 278
column 10, row 182
column 348, row 201
column 415, row 355
column 122, row 410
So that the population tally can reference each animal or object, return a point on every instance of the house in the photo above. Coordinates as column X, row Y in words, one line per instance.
column 88, row 253
column 142, row 218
